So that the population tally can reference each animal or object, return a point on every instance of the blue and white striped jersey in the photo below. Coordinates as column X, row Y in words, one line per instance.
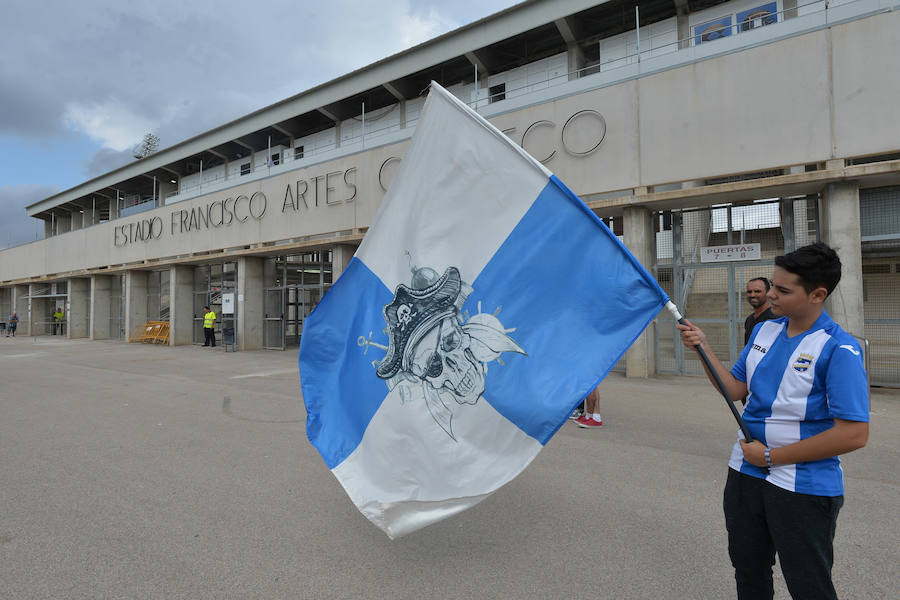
column 798, row 386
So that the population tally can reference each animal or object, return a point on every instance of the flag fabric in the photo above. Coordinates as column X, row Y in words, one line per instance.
column 485, row 302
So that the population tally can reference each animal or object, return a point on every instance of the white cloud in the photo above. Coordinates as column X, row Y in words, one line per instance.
column 415, row 29
column 110, row 122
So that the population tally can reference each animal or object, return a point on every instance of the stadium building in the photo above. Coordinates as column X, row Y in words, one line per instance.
column 711, row 136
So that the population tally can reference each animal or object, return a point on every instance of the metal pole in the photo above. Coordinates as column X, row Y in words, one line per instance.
column 363, row 124
column 719, row 383
column 637, row 23
column 269, row 154
column 476, row 88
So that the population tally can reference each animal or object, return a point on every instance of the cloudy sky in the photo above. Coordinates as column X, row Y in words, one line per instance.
column 82, row 82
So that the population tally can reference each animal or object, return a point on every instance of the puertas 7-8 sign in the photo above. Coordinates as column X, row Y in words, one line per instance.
column 733, row 253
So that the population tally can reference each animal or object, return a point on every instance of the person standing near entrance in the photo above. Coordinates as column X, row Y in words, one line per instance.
column 808, row 403
column 209, row 324
column 12, row 325
column 58, row 317
column 757, row 297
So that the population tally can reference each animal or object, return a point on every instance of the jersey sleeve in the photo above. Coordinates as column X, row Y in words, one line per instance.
column 846, row 384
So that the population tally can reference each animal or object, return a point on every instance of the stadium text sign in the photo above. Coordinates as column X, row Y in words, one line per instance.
column 737, row 252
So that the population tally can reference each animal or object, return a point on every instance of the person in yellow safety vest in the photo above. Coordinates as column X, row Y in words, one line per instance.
column 209, row 324
column 58, row 317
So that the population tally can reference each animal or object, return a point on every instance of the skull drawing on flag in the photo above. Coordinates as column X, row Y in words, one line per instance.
column 434, row 350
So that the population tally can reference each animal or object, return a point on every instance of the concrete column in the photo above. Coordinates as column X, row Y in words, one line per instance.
column 101, row 290
column 20, row 305
column 250, row 309
column 683, row 27
column 5, row 303
column 340, row 258
column 574, row 60
column 181, row 305
column 135, row 300
column 36, row 314
column 78, row 308
column 840, row 230
column 640, row 237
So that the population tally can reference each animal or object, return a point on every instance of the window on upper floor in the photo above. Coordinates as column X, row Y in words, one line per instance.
column 765, row 14
column 276, row 159
column 245, row 169
column 298, row 152
column 496, row 93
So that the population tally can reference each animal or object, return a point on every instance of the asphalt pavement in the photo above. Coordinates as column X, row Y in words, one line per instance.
column 133, row 471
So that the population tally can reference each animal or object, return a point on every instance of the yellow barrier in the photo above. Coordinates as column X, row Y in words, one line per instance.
column 151, row 332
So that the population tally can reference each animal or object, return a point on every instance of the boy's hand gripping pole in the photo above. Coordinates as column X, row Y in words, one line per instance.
column 719, row 383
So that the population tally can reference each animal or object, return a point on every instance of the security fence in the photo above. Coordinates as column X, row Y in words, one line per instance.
column 879, row 210
column 707, row 283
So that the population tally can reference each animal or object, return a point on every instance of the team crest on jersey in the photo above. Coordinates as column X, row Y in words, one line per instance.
column 803, row 363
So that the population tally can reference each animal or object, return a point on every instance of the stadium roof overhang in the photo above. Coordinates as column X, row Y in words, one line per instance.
column 524, row 33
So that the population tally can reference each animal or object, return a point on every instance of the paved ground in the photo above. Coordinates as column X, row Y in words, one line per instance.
column 131, row 471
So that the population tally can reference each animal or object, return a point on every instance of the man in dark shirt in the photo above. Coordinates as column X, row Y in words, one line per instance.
column 762, row 311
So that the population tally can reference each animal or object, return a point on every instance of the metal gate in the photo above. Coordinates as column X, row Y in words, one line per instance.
column 712, row 294
column 879, row 211
column 273, row 322
column 201, row 299
column 211, row 282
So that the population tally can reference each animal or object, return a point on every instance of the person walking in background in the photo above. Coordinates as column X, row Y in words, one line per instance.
column 757, row 296
column 209, row 324
column 12, row 324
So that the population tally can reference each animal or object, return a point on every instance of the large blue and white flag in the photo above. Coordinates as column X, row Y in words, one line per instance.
column 484, row 303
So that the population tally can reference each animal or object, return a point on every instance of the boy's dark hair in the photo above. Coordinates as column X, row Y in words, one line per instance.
column 765, row 282
column 815, row 266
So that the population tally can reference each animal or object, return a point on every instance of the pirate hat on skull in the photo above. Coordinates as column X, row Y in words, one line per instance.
column 413, row 313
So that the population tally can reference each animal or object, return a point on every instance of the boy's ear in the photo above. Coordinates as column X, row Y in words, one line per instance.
column 818, row 295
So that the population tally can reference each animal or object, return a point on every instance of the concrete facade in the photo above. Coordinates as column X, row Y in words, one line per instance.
column 792, row 110
column 250, row 308
column 181, row 305
column 640, row 237
column 135, row 300
column 78, row 308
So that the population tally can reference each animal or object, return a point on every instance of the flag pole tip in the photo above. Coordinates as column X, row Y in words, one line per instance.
column 674, row 310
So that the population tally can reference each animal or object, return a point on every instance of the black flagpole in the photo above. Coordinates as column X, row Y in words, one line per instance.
column 719, row 383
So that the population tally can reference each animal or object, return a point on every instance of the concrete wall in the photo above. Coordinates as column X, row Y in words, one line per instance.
column 101, row 286
column 840, row 230
column 181, row 306
column 250, row 303
column 78, row 308
column 135, row 300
